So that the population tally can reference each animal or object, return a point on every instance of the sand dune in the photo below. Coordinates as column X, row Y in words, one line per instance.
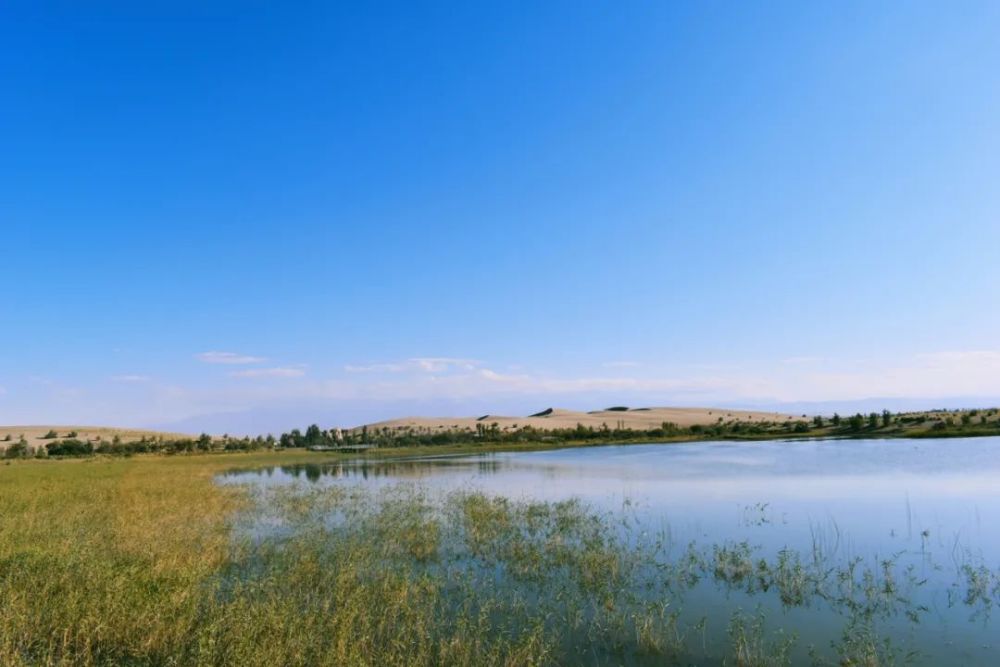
column 34, row 434
column 554, row 418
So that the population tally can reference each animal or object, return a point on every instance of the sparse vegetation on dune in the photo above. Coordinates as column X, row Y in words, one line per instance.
column 725, row 426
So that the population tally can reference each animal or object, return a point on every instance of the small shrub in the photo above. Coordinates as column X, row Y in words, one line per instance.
column 70, row 448
column 19, row 450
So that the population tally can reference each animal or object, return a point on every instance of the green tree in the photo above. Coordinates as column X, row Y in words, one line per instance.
column 314, row 436
column 857, row 422
column 873, row 420
column 886, row 418
column 836, row 419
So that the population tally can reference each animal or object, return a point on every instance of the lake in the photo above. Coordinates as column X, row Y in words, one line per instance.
column 916, row 521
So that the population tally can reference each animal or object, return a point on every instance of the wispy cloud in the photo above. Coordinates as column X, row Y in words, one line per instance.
column 423, row 384
column 929, row 375
column 442, row 364
column 801, row 361
column 282, row 372
column 228, row 358
column 962, row 357
column 130, row 378
column 374, row 368
column 417, row 365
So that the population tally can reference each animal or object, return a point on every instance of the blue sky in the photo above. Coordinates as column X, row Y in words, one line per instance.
column 245, row 216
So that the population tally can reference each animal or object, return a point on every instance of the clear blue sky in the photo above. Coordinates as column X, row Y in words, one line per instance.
column 242, row 215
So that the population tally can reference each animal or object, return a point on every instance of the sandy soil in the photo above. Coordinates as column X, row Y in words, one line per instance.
column 554, row 418
column 33, row 434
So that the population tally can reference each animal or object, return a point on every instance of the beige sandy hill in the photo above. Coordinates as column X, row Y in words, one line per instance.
column 35, row 434
column 636, row 418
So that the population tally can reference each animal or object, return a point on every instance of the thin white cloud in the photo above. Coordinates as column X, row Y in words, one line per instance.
column 417, row 365
column 952, row 373
column 228, row 358
column 282, row 372
column 442, row 364
column 801, row 361
column 527, row 383
column 930, row 375
column 130, row 378
column 621, row 364
column 962, row 357
column 375, row 368
column 964, row 374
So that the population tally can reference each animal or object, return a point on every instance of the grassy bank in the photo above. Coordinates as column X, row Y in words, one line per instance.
column 105, row 561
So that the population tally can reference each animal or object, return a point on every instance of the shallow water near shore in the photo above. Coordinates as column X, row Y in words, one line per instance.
column 820, row 538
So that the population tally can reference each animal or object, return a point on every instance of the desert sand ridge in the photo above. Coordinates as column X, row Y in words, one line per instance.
column 638, row 419
column 34, row 433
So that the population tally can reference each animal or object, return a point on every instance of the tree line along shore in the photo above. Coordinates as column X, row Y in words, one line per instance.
column 885, row 424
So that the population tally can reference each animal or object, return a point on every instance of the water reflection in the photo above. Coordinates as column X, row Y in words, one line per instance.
column 921, row 515
column 413, row 469
column 855, row 497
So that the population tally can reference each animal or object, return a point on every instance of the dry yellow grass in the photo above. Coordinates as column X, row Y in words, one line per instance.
column 91, row 551
column 106, row 561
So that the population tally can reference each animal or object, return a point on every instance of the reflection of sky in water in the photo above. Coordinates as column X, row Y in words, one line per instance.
column 864, row 497
column 933, row 504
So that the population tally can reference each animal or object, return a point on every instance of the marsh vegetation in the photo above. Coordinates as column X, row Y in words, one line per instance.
column 860, row 552
column 152, row 561
column 467, row 578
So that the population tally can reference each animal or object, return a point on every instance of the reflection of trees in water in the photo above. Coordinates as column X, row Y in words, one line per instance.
column 404, row 470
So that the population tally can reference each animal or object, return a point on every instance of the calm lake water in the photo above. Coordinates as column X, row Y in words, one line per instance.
column 930, row 507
